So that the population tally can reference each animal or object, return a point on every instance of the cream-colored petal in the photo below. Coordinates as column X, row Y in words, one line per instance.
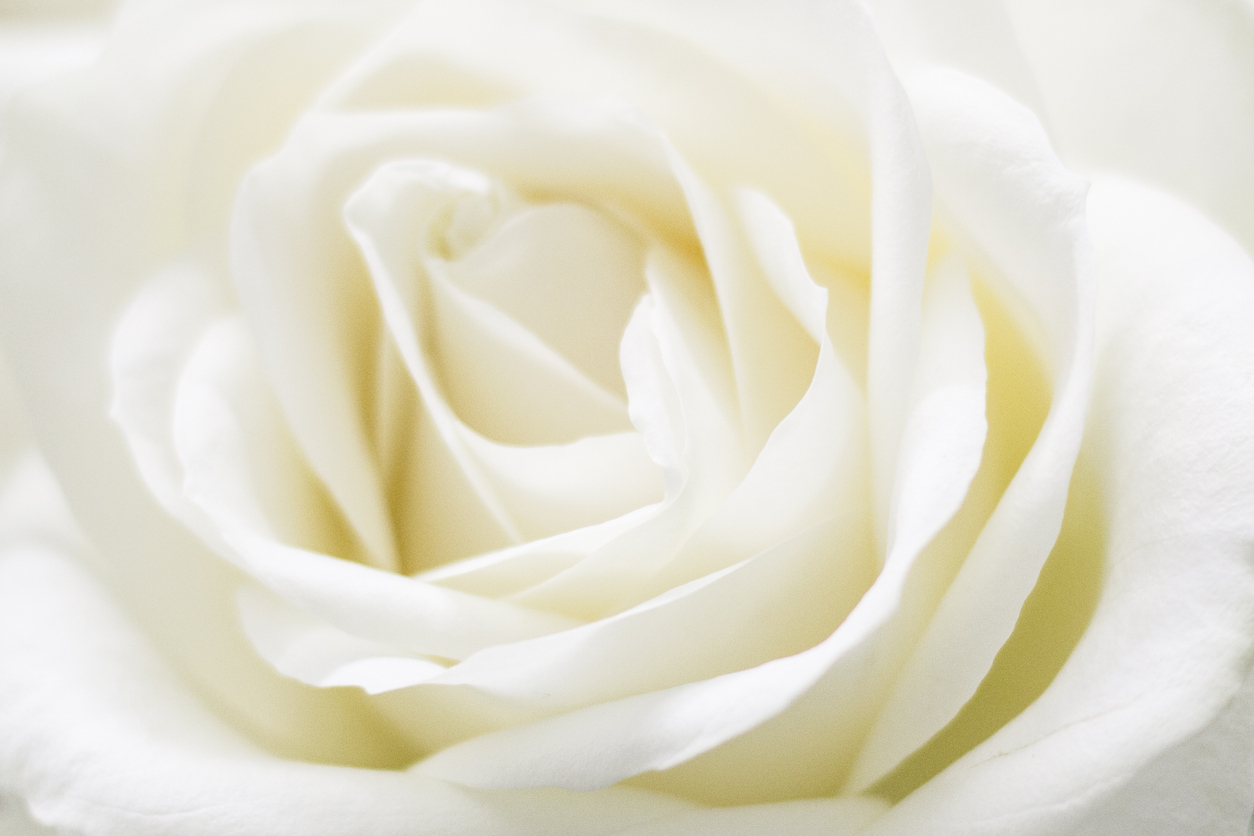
column 709, row 465
column 1136, row 715
column 1162, row 91
column 772, row 358
column 103, row 152
column 557, row 259
column 1024, row 212
column 499, row 377
column 943, row 440
column 814, row 461
column 476, row 54
column 246, row 475
column 100, row 736
column 540, row 490
column 973, row 36
column 314, row 652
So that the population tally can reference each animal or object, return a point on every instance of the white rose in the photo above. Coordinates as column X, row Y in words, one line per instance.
column 634, row 417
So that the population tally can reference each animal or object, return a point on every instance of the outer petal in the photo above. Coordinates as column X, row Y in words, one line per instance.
column 107, row 154
column 1021, row 213
column 1131, row 736
column 1162, row 90
column 975, row 36
column 102, row 739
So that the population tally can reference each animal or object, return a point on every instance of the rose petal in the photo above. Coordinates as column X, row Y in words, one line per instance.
column 246, row 475
column 666, row 426
column 733, row 704
column 101, row 737
column 75, row 159
column 558, row 258
column 1156, row 679
column 605, row 157
column 995, row 172
column 476, row 54
column 1162, row 91
column 814, row 459
column 974, row 36
column 311, row 650
column 500, row 378
column 539, row 490
column 709, row 465
column 943, row 440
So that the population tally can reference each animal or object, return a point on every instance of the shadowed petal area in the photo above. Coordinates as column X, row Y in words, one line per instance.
column 1156, row 679
column 1020, row 217
column 101, row 737
column 123, row 177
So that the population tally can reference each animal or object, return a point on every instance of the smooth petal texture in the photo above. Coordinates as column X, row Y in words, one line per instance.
column 806, row 518
column 943, row 440
column 104, row 152
column 1162, row 91
column 482, row 53
column 826, row 59
column 1169, row 644
column 542, row 488
column 1023, row 213
column 560, row 258
column 708, row 466
column 102, row 738
column 977, row 37
column 738, row 702
column 246, row 475
column 326, row 160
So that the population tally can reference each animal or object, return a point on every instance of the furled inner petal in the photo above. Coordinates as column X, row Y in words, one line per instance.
column 772, row 359
column 245, row 473
column 737, row 134
column 814, row 460
column 709, row 466
column 540, row 490
column 657, row 414
column 498, row 376
column 900, row 224
column 848, row 668
column 554, row 259
column 296, row 198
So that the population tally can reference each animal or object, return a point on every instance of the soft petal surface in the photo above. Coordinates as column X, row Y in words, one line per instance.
column 102, row 737
column 76, row 161
column 1162, row 91
column 1169, row 644
column 1023, row 212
